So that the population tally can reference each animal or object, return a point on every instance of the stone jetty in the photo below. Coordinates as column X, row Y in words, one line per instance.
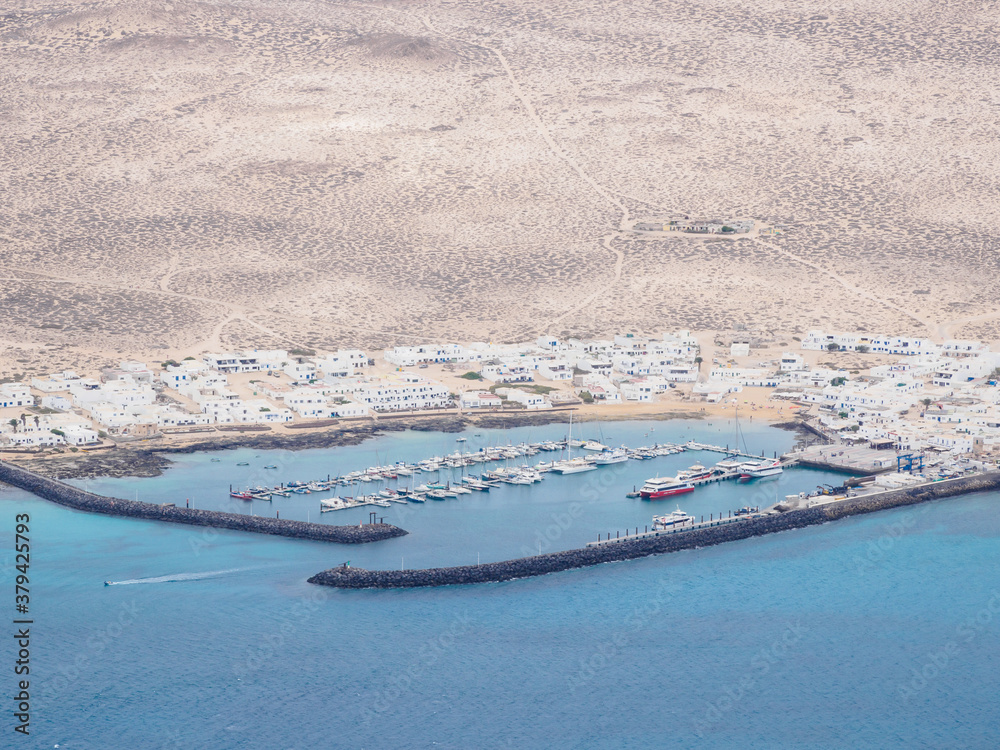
column 345, row 577
column 73, row 497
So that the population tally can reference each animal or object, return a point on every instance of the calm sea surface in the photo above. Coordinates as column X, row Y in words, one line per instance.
column 873, row 632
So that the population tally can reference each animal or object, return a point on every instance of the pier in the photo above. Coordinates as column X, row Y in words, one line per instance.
column 73, row 497
column 633, row 548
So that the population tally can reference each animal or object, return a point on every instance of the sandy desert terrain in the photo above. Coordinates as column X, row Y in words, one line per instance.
column 189, row 175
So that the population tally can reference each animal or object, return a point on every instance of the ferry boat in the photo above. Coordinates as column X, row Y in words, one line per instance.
column 617, row 456
column 757, row 469
column 673, row 521
column 695, row 472
column 660, row 487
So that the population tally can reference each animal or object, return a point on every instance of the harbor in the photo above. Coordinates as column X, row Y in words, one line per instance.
column 447, row 477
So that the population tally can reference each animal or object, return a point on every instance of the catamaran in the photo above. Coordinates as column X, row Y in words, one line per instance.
column 757, row 469
column 673, row 521
column 660, row 487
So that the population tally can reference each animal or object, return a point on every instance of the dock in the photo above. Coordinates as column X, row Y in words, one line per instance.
column 845, row 458
column 630, row 536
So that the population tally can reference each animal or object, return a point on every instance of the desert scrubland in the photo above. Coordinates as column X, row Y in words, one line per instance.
column 194, row 175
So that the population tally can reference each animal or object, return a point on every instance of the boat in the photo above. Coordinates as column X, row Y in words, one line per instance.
column 746, row 510
column 270, row 466
column 216, row 460
column 673, row 521
column 437, row 495
column 593, row 445
column 460, row 440
column 240, row 495
column 107, row 583
column 573, row 466
column 243, row 463
column 758, row 469
column 660, row 487
column 694, row 473
column 617, row 456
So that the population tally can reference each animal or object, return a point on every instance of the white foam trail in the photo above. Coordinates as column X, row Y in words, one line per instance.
column 175, row 577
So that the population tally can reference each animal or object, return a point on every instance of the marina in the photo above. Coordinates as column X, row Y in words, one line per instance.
column 397, row 483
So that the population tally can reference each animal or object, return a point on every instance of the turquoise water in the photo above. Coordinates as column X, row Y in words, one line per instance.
column 877, row 631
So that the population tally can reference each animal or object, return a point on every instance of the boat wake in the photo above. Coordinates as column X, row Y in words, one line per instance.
column 175, row 577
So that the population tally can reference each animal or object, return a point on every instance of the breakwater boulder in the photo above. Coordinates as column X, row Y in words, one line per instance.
column 73, row 497
column 629, row 549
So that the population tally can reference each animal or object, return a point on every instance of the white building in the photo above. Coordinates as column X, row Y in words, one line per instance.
column 15, row 394
column 791, row 362
column 403, row 391
column 480, row 400
column 408, row 356
column 531, row 401
column 555, row 369
column 300, row 372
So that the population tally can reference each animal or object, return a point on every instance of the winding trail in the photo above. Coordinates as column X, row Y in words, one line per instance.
column 608, row 196
column 846, row 284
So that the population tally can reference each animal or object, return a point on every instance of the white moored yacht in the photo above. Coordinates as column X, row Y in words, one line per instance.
column 617, row 456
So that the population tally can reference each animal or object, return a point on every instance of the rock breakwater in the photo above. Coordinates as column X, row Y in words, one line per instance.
column 73, row 497
column 525, row 567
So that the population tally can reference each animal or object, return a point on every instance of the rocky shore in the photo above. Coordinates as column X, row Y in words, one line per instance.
column 525, row 567
column 151, row 459
column 78, row 499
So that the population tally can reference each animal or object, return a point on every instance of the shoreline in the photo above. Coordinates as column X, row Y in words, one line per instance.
column 557, row 562
column 144, row 459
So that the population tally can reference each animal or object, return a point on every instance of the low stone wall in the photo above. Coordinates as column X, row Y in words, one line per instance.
column 629, row 550
column 73, row 497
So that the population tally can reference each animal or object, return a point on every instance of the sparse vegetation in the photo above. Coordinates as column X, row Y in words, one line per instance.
column 471, row 376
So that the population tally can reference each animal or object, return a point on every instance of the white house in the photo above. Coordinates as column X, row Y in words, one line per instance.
column 531, row 401
column 258, row 411
column 555, row 369
column 15, row 394
column 791, row 362
column 480, row 400
column 59, row 403
column 300, row 372
column 403, row 391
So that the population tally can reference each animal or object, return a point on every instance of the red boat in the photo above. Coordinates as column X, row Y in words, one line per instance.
column 241, row 495
column 660, row 487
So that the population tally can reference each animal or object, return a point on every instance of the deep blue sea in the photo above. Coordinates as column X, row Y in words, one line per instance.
column 872, row 632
